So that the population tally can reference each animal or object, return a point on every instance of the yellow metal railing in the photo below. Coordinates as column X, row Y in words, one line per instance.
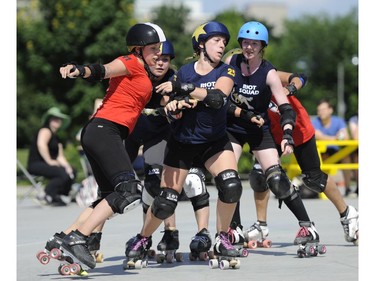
column 331, row 164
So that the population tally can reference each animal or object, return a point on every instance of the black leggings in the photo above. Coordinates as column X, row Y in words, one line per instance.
column 103, row 143
column 59, row 182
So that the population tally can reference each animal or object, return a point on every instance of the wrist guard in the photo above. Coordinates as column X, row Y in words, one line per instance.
column 231, row 109
column 291, row 88
column 182, row 89
column 246, row 115
column 288, row 135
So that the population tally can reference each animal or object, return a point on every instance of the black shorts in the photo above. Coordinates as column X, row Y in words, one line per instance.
column 185, row 156
column 260, row 140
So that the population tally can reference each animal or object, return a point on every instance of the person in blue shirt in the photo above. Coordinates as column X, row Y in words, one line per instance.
column 198, row 115
column 332, row 127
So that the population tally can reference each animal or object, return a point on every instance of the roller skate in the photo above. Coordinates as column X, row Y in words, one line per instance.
column 308, row 241
column 168, row 246
column 350, row 224
column 52, row 249
column 256, row 236
column 94, row 246
column 75, row 246
column 225, row 254
column 236, row 237
column 136, row 250
column 200, row 245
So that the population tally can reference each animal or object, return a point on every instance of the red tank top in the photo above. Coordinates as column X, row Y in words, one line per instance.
column 126, row 96
column 303, row 130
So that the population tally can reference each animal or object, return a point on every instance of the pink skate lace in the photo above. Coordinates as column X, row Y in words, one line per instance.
column 141, row 243
column 225, row 241
column 303, row 232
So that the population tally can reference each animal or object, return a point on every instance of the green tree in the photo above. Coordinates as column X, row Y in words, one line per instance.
column 53, row 32
column 316, row 46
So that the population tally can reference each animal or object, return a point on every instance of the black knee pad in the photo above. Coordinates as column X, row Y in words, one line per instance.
column 316, row 180
column 165, row 203
column 229, row 186
column 278, row 182
column 151, row 184
column 200, row 201
column 125, row 194
column 257, row 179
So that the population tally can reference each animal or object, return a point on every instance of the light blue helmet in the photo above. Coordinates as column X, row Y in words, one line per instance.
column 253, row 30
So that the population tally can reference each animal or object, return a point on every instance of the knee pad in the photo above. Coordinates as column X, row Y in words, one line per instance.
column 229, row 186
column 279, row 182
column 194, row 183
column 151, row 184
column 165, row 203
column 316, row 180
column 200, row 201
column 257, row 179
column 127, row 196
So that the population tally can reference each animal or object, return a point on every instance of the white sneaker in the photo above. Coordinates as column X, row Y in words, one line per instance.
column 350, row 224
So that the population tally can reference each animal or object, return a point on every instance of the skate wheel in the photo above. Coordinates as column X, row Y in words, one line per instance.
column 322, row 249
column 267, row 243
column 192, row 257
column 169, row 258
column 213, row 263
column 82, row 273
column 138, row 264
column 244, row 253
column 252, row 244
column 224, row 264
column 151, row 253
column 203, row 256
column 64, row 269
column 99, row 257
column 301, row 253
column 179, row 257
column 43, row 258
column 310, row 251
column 237, row 265
column 75, row 268
column 160, row 258
column 55, row 253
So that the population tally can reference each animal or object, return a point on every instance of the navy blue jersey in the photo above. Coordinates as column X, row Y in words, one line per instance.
column 251, row 93
column 201, row 124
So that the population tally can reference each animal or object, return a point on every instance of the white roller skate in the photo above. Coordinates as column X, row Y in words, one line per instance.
column 256, row 236
column 350, row 224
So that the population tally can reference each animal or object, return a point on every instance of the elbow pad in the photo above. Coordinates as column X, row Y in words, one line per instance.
column 288, row 115
column 97, row 72
column 215, row 99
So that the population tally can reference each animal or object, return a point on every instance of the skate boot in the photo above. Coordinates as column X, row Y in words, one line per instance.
column 236, row 237
column 167, row 247
column 75, row 245
column 200, row 245
column 136, row 252
column 350, row 224
column 256, row 236
column 308, row 240
column 94, row 246
column 225, row 254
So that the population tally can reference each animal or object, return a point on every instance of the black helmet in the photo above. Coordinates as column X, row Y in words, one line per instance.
column 142, row 34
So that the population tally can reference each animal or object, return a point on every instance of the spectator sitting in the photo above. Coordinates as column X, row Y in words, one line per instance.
column 331, row 127
column 47, row 159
